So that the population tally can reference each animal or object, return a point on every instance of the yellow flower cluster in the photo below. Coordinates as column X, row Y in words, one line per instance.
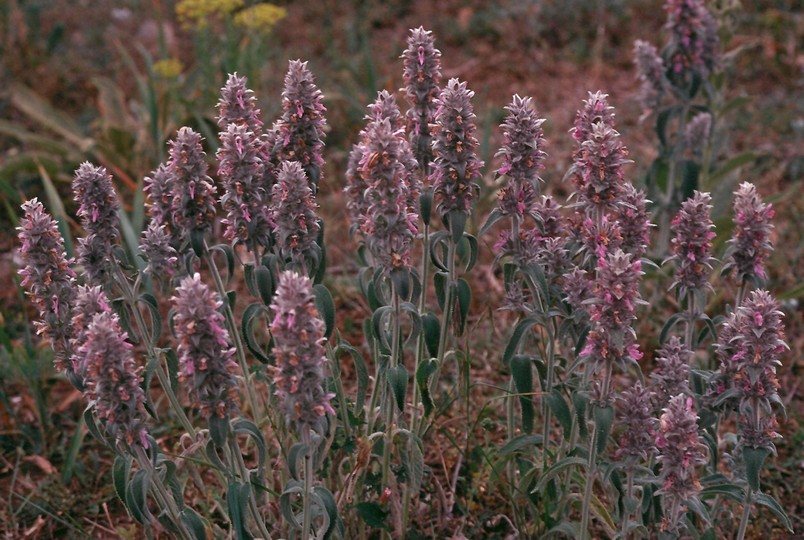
column 168, row 68
column 260, row 17
column 196, row 13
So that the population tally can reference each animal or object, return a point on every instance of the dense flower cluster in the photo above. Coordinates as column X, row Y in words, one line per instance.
column 296, row 224
column 161, row 256
column 596, row 110
column 422, row 72
column 522, row 157
column 298, row 134
column 159, row 187
column 598, row 239
column 89, row 301
column 193, row 202
column 577, row 289
column 456, row 165
column 244, row 199
column 692, row 243
column 598, row 169
column 99, row 212
column 634, row 221
column 635, row 414
column 50, row 281
column 671, row 375
column 389, row 226
column 298, row 334
column 750, row 243
column 238, row 105
column 698, row 131
column 680, row 451
column 612, row 309
column 113, row 380
column 693, row 46
column 650, row 69
column 205, row 353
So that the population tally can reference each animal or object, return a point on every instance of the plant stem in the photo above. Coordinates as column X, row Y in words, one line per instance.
column 629, row 493
column 591, row 471
column 389, row 404
column 307, row 515
column 239, row 466
column 746, row 513
column 447, row 314
column 335, row 368
column 163, row 496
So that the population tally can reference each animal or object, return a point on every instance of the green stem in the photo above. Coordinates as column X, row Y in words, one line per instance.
column 629, row 493
column 161, row 494
column 239, row 466
column 447, row 315
column 746, row 514
column 307, row 514
column 335, row 368
column 591, row 471
column 389, row 404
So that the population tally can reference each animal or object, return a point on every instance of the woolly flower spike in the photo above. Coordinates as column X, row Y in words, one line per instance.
column 244, row 198
column 193, row 204
column 422, row 72
column 89, row 301
column 113, row 380
column 634, row 220
column 205, row 353
column 598, row 168
column 693, row 39
column 671, row 375
column 692, row 243
column 296, row 223
column 759, row 344
column 577, row 289
column 638, row 439
column 750, row 241
column 522, row 154
column 680, row 450
column 616, row 292
column 456, row 164
column 383, row 108
column 389, row 227
column 159, row 187
column 155, row 245
column 50, row 281
column 650, row 69
column 599, row 240
column 237, row 105
column 298, row 334
column 300, row 131
column 596, row 110
column 98, row 210
column 698, row 131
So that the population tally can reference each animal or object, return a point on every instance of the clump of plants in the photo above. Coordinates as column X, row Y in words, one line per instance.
column 278, row 442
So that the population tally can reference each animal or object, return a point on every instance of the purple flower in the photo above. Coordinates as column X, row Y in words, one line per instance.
column 113, row 380
column 98, row 209
column 355, row 189
column 50, row 281
column 296, row 223
column 298, row 334
column 523, row 156
column 456, row 165
column 598, row 169
column 193, row 204
column 386, row 167
column 548, row 215
column 680, row 451
column 698, row 131
column 245, row 200
column 155, row 246
column 237, row 105
column 596, row 110
column 693, row 46
column 205, row 352
column 89, row 301
column 422, row 73
column 299, row 132
column 671, row 375
column 577, row 289
column 635, row 414
column 634, row 220
column 750, row 243
column 650, row 69
column 692, row 243
column 598, row 240
column 159, row 187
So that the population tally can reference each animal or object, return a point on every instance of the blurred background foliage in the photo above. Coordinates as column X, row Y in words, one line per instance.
column 110, row 81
